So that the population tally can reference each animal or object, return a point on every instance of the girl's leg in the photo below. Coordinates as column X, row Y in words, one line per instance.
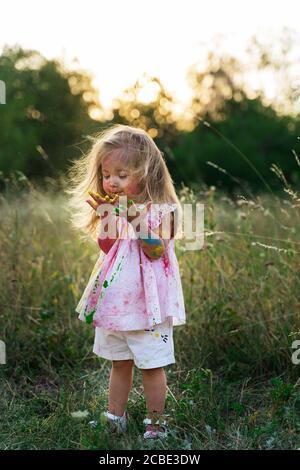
column 155, row 387
column 120, row 383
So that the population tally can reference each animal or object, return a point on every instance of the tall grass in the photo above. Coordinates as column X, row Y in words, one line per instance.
column 233, row 385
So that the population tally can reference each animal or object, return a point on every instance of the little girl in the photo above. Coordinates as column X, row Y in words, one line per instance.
column 134, row 295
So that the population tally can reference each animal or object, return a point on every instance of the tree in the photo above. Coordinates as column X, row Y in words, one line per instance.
column 46, row 112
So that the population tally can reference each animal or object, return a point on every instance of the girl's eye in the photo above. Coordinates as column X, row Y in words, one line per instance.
column 120, row 176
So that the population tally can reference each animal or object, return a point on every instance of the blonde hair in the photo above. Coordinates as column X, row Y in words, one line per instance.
column 139, row 152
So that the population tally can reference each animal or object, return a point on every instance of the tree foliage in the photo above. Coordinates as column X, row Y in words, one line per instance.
column 226, row 138
column 45, row 114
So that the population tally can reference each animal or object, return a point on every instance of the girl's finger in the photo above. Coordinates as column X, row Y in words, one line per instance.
column 97, row 197
column 94, row 206
column 103, row 199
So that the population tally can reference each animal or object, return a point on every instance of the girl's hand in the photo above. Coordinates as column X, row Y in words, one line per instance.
column 100, row 200
column 104, row 242
column 139, row 211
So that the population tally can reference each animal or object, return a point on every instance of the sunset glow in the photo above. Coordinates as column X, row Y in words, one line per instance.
column 122, row 41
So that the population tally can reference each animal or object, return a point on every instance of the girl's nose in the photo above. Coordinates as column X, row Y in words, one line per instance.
column 113, row 184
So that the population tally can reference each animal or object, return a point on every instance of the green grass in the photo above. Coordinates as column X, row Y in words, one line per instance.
column 233, row 386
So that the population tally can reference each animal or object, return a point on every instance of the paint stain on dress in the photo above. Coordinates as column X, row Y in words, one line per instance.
column 166, row 264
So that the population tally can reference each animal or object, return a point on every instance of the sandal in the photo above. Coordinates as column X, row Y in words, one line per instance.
column 116, row 423
column 158, row 430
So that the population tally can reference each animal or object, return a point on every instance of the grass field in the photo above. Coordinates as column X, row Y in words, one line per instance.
column 234, row 385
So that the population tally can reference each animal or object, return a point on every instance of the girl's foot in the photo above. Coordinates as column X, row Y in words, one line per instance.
column 155, row 430
column 117, row 423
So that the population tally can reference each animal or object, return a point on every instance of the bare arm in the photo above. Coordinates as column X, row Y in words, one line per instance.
column 105, row 242
column 105, row 222
column 154, row 248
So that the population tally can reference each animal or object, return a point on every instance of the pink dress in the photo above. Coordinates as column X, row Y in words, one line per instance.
column 129, row 291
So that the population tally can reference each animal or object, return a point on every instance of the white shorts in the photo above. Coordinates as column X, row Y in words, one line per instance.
column 148, row 348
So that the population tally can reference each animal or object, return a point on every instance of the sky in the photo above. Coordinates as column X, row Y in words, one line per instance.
column 120, row 40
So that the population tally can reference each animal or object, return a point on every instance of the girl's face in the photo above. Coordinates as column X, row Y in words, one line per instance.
column 117, row 178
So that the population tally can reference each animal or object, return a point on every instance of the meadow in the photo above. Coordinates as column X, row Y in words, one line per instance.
column 234, row 385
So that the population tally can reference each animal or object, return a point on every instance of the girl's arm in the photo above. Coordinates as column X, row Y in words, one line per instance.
column 154, row 248
column 106, row 222
column 104, row 242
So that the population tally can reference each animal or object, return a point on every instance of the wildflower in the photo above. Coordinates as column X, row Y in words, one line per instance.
column 80, row 414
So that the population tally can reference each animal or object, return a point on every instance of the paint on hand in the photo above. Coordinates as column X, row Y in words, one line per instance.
column 151, row 241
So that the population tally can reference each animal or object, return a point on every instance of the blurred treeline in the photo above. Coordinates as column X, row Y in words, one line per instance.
column 226, row 138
